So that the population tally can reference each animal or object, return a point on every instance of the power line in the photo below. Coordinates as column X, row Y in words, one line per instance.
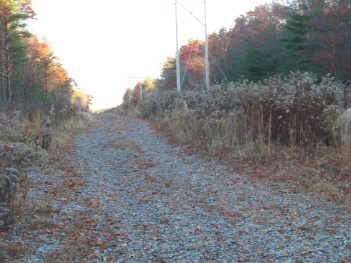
column 135, row 77
column 206, row 45
column 187, row 63
column 215, row 61
column 191, row 13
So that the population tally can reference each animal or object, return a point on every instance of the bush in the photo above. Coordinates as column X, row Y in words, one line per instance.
column 8, row 187
column 294, row 110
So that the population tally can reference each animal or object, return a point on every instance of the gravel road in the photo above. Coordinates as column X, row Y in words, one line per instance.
column 151, row 202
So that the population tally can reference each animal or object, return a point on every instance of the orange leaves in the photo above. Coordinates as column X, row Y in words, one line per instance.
column 94, row 203
column 47, row 69
column 219, row 238
column 60, row 189
column 149, row 177
column 142, row 163
column 140, row 189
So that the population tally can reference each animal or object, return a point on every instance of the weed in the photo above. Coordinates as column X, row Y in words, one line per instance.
column 283, row 120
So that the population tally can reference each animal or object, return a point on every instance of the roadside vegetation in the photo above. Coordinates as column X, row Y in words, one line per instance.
column 277, row 105
column 30, row 144
column 40, row 106
column 289, row 128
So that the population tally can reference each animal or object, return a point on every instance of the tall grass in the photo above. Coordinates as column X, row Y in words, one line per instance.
column 229, row 133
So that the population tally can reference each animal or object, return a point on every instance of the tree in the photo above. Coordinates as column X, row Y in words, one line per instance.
column 12, row 30
column 256, row 64
column 167, row 80
column 331, row 37
column 148, row 86
column 192, row 64
column 296, row 43
column 256, row 37
column 218, row 46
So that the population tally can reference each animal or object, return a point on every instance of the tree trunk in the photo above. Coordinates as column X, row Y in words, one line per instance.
column 2, row 41
column 5, row 59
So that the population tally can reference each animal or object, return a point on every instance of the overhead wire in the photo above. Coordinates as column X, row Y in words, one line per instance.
column 187, row 63
column 191, row 13
column 215, row 61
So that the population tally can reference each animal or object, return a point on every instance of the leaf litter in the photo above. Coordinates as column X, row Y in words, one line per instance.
column 123, row 194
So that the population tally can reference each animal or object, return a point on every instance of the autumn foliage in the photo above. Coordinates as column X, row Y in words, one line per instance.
column 36, row 94
column 32, row 75
column 272, row 39
column 279, row 82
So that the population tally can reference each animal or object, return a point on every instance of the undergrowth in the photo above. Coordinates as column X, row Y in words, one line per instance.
column 21, row 151
column 288, row 128
column 26, row 143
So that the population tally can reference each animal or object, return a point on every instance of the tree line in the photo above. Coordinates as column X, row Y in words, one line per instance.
column 32, row 76
column 274, row 38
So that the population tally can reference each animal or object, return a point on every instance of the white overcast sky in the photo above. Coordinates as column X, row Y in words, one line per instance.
column 102, row 42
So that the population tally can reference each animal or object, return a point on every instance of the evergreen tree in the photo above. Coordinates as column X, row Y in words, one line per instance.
column 12, row 31
column 256, row 64
column 299, row 53
column 168, row 75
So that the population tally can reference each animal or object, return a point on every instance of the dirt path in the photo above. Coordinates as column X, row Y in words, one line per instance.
column 125, row 195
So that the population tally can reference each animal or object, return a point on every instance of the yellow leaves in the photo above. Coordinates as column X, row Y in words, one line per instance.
column 8, row 5
column 80, row 98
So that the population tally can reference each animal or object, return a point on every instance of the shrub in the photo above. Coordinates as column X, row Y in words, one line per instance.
column 294, row 110
column 8, row 187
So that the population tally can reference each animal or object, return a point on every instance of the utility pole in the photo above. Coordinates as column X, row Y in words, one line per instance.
column 141, row 91
column 177, row 53
column 207, row 67
column 140, row 87
column 206, row 51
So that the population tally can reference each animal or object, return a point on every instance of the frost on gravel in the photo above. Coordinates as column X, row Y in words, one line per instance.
column 167, row 206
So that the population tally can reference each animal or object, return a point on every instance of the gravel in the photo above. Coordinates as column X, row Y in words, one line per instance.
column 162, row 205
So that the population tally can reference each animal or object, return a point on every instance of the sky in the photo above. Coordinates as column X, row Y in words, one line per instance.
column 107, row 45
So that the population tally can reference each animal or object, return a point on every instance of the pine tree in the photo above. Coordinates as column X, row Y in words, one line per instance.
column 256, row 64
column 299, row 53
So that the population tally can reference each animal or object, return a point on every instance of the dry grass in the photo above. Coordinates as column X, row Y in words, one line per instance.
column 33, row 215
column 249, row 149
column 63, row 135
column 33, row 124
